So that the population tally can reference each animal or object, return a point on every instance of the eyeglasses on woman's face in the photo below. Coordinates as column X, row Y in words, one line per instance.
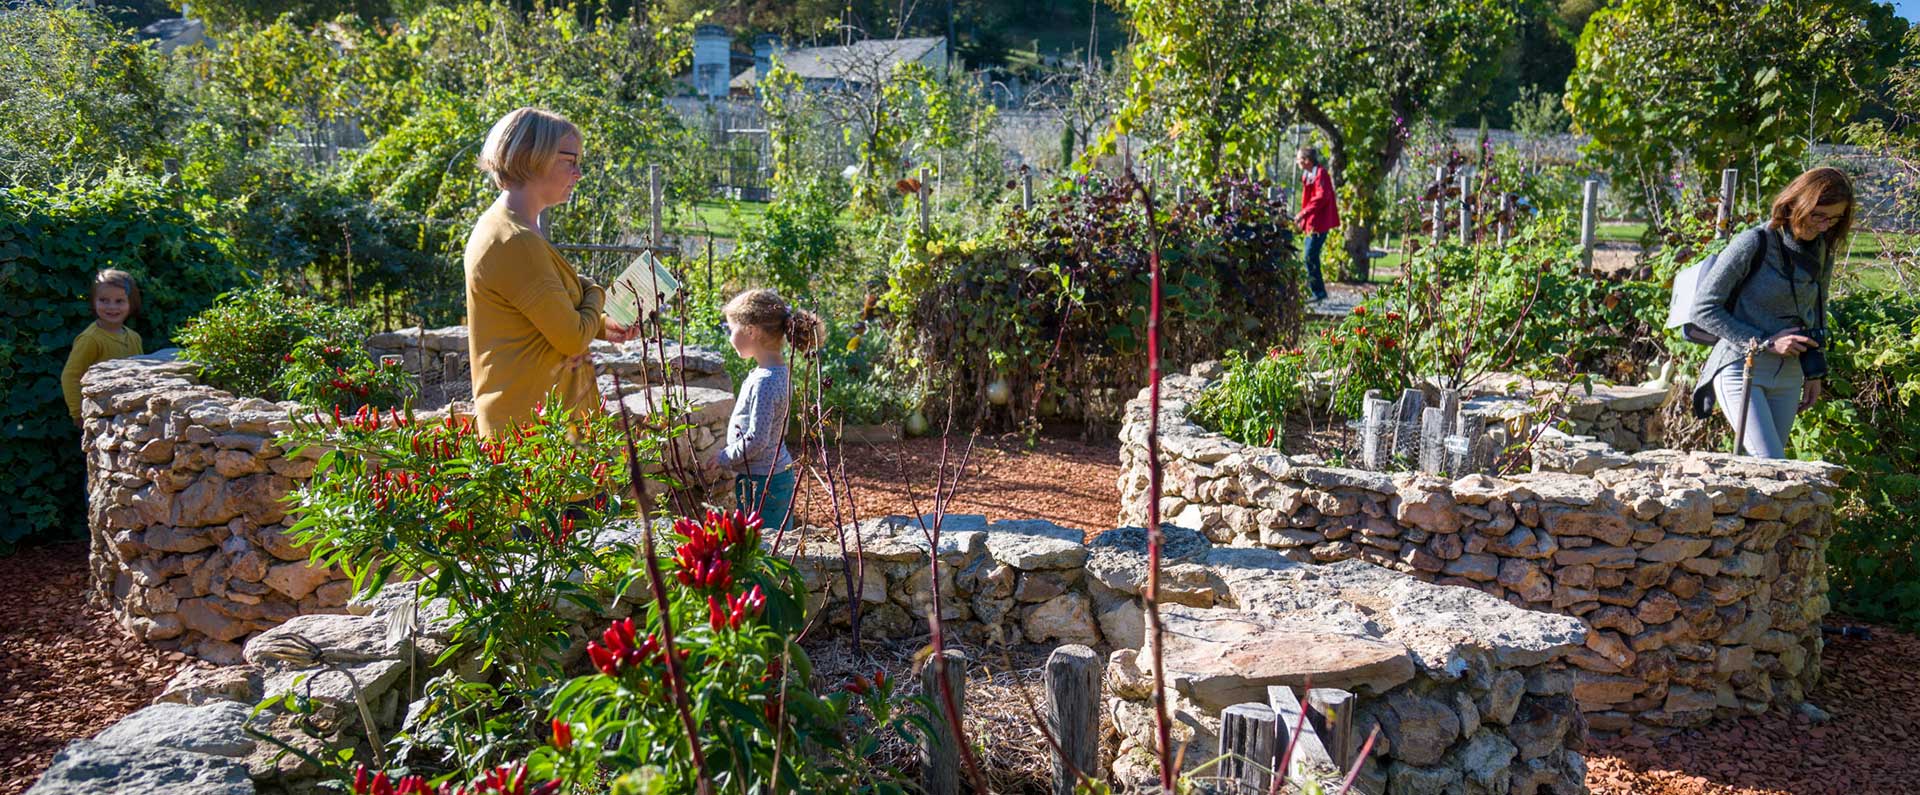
column 1819, row 216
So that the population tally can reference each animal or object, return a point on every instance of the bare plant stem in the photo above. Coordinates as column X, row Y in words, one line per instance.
column 942, row 496
column 658, row 584
column 1155, row 630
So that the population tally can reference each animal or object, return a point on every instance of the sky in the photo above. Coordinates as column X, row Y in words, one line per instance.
column 1907, row 9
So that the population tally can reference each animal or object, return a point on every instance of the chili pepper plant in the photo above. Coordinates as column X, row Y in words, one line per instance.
column 502, row 529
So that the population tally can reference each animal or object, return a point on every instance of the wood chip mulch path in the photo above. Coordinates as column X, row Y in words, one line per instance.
column 67, row 671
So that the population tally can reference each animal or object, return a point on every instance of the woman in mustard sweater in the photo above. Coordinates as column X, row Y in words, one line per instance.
column 531, row 317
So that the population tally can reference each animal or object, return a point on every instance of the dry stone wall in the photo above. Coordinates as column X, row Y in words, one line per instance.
column 1472, row 694
column 185, row 485
column 1701, row 577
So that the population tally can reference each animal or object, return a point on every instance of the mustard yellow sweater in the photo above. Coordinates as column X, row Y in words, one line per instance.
column 93, row 346
column 527, row 313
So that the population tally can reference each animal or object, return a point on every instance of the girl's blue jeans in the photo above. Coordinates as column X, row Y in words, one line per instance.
column 778, row 503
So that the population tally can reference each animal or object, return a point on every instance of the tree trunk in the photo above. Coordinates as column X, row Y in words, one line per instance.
column 1359, row 241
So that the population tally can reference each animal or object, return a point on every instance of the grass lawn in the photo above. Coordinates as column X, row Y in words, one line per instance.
column 1621, row 231
column 719, row 218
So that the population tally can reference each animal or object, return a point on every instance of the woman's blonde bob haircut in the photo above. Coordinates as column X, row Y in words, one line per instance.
column 522, row 144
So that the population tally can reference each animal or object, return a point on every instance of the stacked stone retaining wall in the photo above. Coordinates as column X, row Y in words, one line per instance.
column 1700, row 576
column 186, row 484
column 1471, row 694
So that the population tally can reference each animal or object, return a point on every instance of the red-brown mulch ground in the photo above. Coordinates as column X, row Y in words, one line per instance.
column 67, row 671
column 1872, row 689
column 1068, row 482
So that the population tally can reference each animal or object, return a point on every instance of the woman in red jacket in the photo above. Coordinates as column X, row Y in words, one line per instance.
column 1318, row 216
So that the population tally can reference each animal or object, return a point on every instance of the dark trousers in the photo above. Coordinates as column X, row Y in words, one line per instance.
column 1315, row 242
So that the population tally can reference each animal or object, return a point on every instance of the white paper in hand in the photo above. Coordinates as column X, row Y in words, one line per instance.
column 639, row 290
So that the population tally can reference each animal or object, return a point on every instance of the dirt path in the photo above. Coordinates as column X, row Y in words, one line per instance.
column 67, row 671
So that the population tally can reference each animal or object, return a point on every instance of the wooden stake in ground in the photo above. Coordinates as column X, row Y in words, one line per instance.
column 1073, row 714
column 1589, row 211
column 940, row 750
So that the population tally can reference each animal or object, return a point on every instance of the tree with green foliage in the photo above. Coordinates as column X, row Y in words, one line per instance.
column 1224, row 76
column 77, row 98
column 1684, row 88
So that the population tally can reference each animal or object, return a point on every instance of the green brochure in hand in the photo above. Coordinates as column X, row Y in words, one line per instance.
column 639, row 290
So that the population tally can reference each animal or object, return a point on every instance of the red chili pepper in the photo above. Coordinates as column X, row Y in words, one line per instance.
column 562, row 734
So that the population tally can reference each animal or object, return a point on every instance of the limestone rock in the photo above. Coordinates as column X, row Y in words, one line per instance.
column 1402, row 777
column 1124, row 625
column 1220, row 658
column 296, row 580
column 1485, row 757
column 1421, row 729
column 86, row 767
column 217, row 728
column 1540, row 726
column 338, row 639
column 1031, row 544
column 1067, row 618
column 196, row 686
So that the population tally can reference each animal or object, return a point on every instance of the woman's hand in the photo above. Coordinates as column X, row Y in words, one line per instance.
column 617, row 333
column 1809, row 393
column 1790, row 342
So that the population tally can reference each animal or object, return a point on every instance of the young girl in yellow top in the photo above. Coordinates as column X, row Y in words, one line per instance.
column 115, row 298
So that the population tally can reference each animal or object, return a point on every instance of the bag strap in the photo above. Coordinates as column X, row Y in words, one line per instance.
column 1754, row 261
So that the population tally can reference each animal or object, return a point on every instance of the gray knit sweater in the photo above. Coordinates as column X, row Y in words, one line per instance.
column 1780, row 296
column 759, row 422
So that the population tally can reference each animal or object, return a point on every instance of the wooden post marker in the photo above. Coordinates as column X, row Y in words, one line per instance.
column 1479, row 453
column 1374, row 437
column 1466, row 209
column 940, row 750
column 1723, row 217
column 1073, row 714
column 926, row 205
column 656, row 200
column 1026, row 190
column 1433, row 440
column 1506, row 217
column 1406, row 422
column 1440, row 204
column 1250, row 740
column 1331, row 713
column 1589, row 216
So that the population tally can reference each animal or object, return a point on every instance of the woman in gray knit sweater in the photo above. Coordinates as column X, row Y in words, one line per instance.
column 1777, row 306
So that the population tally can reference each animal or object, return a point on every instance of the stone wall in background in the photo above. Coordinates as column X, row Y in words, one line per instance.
column 1472, row 694
column 185, row 485
column 1700, row 576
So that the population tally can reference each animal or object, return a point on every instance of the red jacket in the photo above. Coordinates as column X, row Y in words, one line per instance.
column 1317, row 211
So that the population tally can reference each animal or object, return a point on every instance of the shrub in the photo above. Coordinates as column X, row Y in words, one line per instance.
column 798, row 240
column 498, row 531
column 244, row 341
column 51, row 244
column 318, row 373
column 1869, row 422
column 1054, row 301
column 79, row 97
column 1251, row 401
column 494, row 525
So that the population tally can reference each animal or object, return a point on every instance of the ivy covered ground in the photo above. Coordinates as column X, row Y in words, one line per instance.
column 66, row 673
